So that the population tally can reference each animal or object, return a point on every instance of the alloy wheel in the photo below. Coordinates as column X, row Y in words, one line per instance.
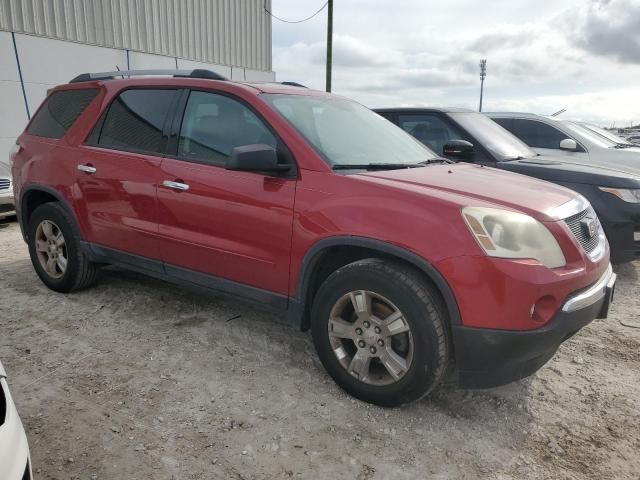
column 51, row 249
column 370, row 337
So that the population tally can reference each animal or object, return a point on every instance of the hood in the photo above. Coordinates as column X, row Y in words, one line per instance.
column 554, row 169
column 621, row 159
column 468, row 184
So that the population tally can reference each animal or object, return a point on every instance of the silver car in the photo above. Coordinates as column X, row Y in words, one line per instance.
column 7, row 203
column 570, row 140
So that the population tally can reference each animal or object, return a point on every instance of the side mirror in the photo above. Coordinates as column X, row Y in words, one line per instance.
column 568, row 144
column 460, row 149
column 258, row 157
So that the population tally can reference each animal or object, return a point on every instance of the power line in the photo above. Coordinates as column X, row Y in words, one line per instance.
column 294, row 21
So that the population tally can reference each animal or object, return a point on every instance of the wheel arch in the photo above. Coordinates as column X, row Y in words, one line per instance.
column 35, row 195
column 352, row 248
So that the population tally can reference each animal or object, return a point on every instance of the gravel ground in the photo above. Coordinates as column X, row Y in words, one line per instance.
column 139, row 379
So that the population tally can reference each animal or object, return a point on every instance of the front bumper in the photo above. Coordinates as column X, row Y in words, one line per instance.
column 488, row 358
column 7, row 203
column 15, row 461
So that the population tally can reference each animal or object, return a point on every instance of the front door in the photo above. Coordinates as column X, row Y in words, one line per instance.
column 545, row 139
column 118, row 171
column 221, row 224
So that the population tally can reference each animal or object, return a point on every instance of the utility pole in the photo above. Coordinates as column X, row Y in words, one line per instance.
column 483, row 74
column 329, row 43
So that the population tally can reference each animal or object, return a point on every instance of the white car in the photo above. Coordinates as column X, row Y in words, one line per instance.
column 7, row 203
column 572, row 141
column 15, row 461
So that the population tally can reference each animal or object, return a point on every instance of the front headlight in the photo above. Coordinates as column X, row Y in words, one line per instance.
column 631, row 196
column 507, row 234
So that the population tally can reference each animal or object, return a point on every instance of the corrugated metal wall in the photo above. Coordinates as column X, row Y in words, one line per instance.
column 228, row 32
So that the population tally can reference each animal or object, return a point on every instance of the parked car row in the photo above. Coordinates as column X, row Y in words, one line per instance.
column 611, row 183
column 408, row 261
column 412, row 254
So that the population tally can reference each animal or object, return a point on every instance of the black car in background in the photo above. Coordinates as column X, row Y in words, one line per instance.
column 468, row 136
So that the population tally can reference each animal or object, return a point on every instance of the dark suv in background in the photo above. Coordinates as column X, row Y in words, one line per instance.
column 467, row 136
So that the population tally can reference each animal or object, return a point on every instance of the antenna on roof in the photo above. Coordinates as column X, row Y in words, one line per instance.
column 118, row 68
column 559, row 112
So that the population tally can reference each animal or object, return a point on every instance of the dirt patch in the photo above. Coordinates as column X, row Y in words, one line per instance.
column 140, row 379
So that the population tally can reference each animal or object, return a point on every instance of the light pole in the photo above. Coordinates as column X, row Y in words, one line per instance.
column 329, row 43
column 483, row 74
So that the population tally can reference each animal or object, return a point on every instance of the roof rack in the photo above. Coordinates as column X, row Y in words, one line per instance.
column 196, row 73
column 293, row 84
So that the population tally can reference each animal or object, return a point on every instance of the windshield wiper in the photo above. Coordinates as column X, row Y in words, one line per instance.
column 623, row 145
column 375, row 166
column 436, row 160
column 389, row 166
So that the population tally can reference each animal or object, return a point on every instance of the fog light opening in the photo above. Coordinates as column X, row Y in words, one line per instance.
column 542, row 311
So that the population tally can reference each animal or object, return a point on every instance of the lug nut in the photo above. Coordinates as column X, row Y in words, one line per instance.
column 372, row 349
column 377, row 330
column 361, row 344
column 366, row 324
column 381, row 342
column 359, row 331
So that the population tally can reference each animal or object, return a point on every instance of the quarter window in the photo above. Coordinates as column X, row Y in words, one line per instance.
column 135, row 121
column 59, row 111
column 214, row 125
column 537, row 134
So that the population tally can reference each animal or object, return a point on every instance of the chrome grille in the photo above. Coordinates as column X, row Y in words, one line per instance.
column 4, row 183
column 574, row 222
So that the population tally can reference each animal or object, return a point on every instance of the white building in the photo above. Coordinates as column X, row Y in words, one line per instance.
column 47, row 42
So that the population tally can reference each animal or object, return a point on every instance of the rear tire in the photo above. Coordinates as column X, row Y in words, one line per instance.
column 380, row 331
column 55, row 251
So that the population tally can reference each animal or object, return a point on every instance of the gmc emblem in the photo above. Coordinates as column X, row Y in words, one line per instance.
column 590, row 226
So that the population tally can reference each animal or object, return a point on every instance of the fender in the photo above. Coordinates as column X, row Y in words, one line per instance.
column 21, row 210
column 297, row 306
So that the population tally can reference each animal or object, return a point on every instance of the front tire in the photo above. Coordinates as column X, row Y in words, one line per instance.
column 54, row 248
column 380, row 331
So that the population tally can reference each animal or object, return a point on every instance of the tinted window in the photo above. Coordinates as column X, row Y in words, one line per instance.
column 214, row 125
column 430, row 130
column 59, row 111
column 537, row 134
column 135, row 119
column 506, row 123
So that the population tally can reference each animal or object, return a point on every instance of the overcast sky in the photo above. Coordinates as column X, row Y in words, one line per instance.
column 583, row 55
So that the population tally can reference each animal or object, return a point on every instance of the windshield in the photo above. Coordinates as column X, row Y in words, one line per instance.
column 606, row 134
column 493, row 137
column 344, row 132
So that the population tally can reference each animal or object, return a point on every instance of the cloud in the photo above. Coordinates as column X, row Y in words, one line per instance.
column 610, row 28
column 542, row 56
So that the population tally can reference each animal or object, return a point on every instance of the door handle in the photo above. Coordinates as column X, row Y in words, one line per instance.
column 87, row 168
column 175, row 185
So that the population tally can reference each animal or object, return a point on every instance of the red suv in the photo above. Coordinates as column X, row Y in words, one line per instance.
column 405, row 267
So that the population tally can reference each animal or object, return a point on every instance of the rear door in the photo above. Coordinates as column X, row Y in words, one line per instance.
column 219, row 223
column 118, row 170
